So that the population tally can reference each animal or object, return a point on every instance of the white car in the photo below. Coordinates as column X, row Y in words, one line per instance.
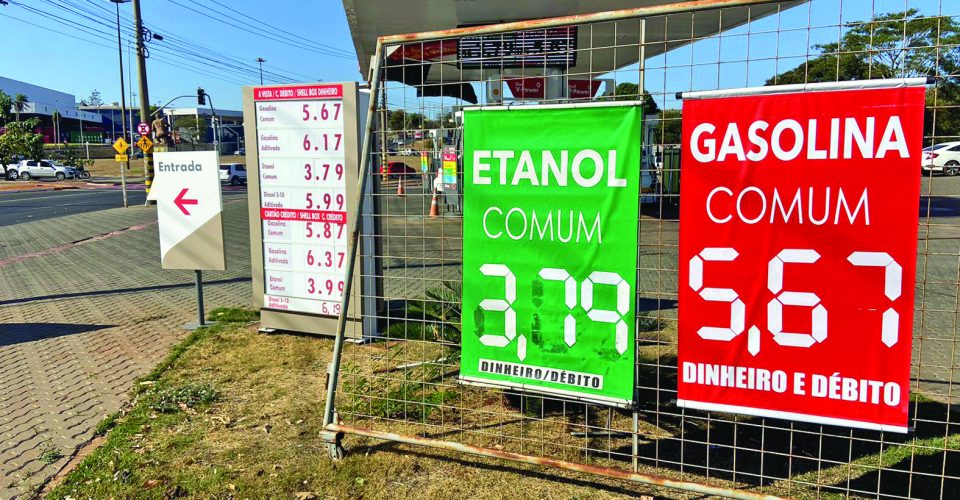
column 942, row 158
column 234, row 173
column 30, row 169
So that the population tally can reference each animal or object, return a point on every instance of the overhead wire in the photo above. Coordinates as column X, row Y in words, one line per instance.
column 238, row 67
column 97, row 33
column 287, row 41
column 283, row 31
column 192, row 57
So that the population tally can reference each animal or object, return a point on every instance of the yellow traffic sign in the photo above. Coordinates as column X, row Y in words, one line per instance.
column 121, row 157
column 121, row 146
column 145, row 144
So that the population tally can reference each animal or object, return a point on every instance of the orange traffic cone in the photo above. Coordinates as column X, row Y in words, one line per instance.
column 400, row 190
column 434, row 207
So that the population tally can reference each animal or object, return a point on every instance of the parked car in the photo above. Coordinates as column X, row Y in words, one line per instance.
column 395, row 169
column 30, row 169
column 240, row 152
column 9, row 171
column 234, row 173
column 408, row 152
column 942, row 158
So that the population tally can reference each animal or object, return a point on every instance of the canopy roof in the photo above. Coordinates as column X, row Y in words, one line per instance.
column 601, row 47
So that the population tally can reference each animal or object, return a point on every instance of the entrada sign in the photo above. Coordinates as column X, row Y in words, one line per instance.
column 549, row 256
column 796, row 269
column 189, row 209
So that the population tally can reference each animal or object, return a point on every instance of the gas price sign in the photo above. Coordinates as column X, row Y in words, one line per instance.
column 303, row 201
column 798, row 240
column 550, row 245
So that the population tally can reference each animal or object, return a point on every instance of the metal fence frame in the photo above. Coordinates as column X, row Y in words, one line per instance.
column 335, row 429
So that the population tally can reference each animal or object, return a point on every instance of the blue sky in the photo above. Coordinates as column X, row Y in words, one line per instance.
column 310, row 40
column 87, row 58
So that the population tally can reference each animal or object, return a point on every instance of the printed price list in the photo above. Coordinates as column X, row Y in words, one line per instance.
column 303, row 205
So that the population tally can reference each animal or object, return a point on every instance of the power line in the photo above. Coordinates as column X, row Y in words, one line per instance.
column 287, row 41
column 298, row 37
column 190, row 55
column 97, row 43
column 193, row 47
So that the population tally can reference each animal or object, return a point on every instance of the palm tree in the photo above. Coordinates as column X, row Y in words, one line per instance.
column 19, row 104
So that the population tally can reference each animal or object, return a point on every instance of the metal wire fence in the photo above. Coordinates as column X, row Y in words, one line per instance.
column 405, row 382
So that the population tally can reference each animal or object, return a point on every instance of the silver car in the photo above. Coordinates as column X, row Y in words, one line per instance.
column 30, row 169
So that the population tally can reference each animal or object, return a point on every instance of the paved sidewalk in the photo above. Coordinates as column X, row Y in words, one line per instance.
column 85, row 309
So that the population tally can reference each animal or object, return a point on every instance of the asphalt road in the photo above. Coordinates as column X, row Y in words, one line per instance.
column 38, row 205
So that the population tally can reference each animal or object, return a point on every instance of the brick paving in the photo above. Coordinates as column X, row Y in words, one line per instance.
column 79, row 325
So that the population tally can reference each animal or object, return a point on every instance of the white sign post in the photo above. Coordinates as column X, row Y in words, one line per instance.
column 189, row 206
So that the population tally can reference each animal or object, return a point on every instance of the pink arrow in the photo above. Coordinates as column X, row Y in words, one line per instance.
column 181, row 202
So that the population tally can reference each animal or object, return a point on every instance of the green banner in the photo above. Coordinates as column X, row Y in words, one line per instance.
column 551, row 203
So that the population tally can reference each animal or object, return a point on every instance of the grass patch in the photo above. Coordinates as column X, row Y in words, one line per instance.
column 233, row 315
column 246, row 413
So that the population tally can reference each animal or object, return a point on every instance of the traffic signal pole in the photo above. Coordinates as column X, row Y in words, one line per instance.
column 144, row 93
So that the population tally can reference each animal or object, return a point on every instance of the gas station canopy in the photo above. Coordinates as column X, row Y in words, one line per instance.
column 599, row 48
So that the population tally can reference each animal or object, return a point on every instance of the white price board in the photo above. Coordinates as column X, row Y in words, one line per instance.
column 302, row 159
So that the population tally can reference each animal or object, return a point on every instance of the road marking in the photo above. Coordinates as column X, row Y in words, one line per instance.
column 60, row 196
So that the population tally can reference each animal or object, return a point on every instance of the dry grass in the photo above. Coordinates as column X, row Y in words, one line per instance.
column 259, row 438
column 234, row 413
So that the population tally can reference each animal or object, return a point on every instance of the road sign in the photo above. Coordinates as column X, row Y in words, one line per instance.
column 121, row 146
column 143, row 128
column 121, row 157
column 551, row 200
column 797, row 270
column 187, row 191
column 145, row 144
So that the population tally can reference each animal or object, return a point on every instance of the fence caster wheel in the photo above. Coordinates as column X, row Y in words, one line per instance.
column 336, row 451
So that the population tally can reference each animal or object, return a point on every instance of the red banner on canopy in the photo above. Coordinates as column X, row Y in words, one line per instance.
column 798, row 241
column 534, row 88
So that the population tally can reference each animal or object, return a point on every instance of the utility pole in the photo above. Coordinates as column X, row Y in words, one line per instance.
column 261, row 61
column 144, row 93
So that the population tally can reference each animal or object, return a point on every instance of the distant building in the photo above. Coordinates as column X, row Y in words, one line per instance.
column 43, row 102
column 113, row 119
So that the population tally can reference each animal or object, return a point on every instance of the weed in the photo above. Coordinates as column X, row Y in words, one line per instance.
column 50, row 454
column 165, row 399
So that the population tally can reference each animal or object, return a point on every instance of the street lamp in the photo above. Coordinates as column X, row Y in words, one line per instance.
column 261, row 61
column 123, row 103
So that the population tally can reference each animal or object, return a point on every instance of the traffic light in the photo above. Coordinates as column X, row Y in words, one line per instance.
column 201, row 97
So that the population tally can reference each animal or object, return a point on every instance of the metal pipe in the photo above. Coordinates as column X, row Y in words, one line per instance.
column 552, row 22
column 354, row 241
column 199, row 282
column 549, row 462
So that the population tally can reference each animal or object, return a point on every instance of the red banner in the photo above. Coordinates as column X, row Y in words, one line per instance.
column 294, row 214
column 535, row 88
column 299, row 92
column 798, row 241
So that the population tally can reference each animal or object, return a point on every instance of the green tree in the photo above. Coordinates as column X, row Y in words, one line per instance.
column 894, row 45
column 19, row 104
column 21, row 140
column 6, row 104
column 191, row 128
column 626, row 91
column 71, row 157
column 93, row 99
